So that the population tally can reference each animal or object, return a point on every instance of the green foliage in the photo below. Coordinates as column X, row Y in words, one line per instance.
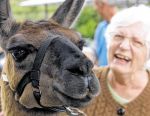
column 85, row 24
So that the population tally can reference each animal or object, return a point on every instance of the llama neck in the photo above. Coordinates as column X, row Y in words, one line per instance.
column 11, row 107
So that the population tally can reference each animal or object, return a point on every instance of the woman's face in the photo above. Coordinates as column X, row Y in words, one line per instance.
column 127, row 50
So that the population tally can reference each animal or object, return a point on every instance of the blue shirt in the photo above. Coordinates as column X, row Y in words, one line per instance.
column 100, row 43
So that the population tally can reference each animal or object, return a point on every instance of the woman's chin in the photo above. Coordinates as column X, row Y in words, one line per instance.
column 120, row 68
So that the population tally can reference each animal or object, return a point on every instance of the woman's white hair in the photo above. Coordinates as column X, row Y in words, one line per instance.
column 127, row 17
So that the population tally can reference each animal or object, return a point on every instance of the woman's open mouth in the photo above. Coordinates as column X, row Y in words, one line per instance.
column 121, row 59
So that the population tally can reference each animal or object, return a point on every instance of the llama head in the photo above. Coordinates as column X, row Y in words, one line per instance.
column 64, row 75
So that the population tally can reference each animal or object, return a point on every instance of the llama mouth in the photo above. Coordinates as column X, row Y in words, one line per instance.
column 76, row 102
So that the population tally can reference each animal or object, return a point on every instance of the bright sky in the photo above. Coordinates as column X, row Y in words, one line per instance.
column 40, row 2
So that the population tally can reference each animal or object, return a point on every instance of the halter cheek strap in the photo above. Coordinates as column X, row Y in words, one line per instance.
column 33, row 76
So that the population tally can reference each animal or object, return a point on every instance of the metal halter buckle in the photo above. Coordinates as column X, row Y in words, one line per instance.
column 74, row 111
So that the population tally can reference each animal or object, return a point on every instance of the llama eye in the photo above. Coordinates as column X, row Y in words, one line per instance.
column 19, row 54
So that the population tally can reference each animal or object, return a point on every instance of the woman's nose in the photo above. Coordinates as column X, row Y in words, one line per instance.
column 125, row 44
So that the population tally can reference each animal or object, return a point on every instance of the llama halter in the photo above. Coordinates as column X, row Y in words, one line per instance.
column 33, row 76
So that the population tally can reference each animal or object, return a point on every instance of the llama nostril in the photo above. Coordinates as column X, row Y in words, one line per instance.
column 89, row 64
column 83, row 68
column 76, row 70
column 87, row 67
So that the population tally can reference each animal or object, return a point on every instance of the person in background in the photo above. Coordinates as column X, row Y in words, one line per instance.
column 125, row 82
column 106, row 9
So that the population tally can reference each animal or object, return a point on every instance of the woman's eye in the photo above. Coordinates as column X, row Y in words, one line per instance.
column 19, row 54
column 118, row 37
column 138, row 43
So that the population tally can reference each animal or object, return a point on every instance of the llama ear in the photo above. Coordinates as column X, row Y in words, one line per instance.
column 4, row 10
column 5, row 15
column 67, row 12
column 6, row 22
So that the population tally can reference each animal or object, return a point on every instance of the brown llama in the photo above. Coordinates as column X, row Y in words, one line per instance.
column 45, row 72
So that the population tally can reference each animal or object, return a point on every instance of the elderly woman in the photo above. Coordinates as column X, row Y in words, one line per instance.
column 125, row 82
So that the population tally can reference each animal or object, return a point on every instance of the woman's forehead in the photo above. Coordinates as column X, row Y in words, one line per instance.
column 136, row 29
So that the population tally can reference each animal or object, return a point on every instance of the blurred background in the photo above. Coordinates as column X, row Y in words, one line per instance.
column 40, row 9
